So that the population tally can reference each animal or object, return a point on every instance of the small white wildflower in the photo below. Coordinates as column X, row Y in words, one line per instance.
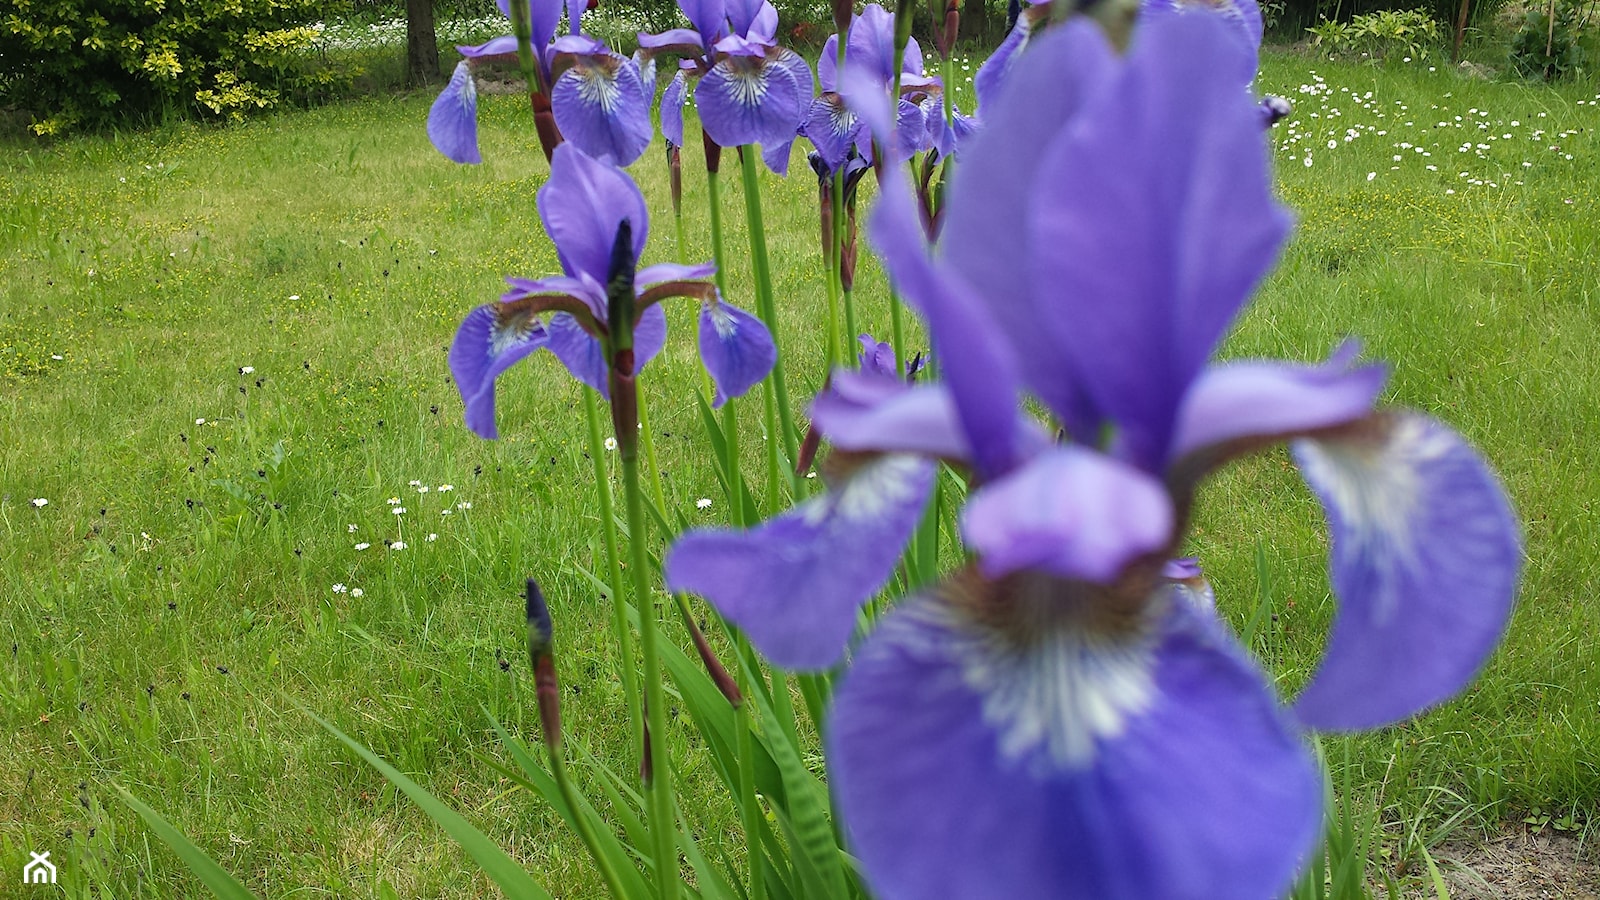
column 1308, row 160
column 398, row 545
column 40, row 502
column 247, row 370
column 363, row 545
column 446, row 487
column 811, row 474
column 294, row 296
column 398, row 510
column 57, row 357
column 466, row 504
column 393, row 501
column 422, row 489
column 339, row 588
column 703, row 503
column 1333, row 144
column 611, row 443
column 446, row 511
column 357, row 592
column 431, row 537
column 1371, row 175
column 414, row 483
column 199, row 421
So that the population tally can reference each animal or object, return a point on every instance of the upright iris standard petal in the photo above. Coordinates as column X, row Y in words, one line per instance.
column 581, row 205
column 601, row 106
column 1070, row 511
column 1066, row 760
column 795, row 583
column 490, row 340
column 736, row 348
column 453, row 119
column 754, row 99
column 1173, row 143
column 985, row 233
column 709, row 17
column 672, row 109
column 1424, row 564
column 978, row 366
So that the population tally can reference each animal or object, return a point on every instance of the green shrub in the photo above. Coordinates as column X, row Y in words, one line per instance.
column 94, row 62
column 1411, row 33
column 1547, row 47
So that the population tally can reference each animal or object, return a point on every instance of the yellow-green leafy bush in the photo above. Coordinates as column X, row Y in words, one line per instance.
column 75, row 63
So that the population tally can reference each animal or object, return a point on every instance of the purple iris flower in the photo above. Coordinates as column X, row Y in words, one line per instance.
column 596, row 217
column 600, row 100
column 869, row 47
column 1064, row 716
column 751, row 91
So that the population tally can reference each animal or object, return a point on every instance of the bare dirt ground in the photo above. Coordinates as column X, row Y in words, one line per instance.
column 1520, row 865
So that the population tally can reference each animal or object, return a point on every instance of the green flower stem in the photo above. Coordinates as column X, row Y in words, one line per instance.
column 659, row 786
column 764, row 301
column 619, row 604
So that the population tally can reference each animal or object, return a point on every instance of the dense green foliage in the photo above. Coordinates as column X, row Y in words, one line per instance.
column 90, row 62
column 1547, row 46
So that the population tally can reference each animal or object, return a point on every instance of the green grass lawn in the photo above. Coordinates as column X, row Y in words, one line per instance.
column 216, row 556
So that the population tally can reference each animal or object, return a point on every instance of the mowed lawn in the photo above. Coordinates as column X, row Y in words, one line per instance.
column 222, row 364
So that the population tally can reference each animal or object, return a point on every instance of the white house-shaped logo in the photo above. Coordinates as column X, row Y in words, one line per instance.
column 40, row 870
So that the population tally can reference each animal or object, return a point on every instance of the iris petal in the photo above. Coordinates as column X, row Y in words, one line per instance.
column 736, row 348
column 833, row 128
column 795, row 582
column 672, row 109
column 453, row 119
column 600, row 106
column 1243, row 18
column 1150, row 764
column 1425, row 560
column 753, row 100
column 997, row 68
column 491, row 339
column 978, row 366
column 581, row 205
column 984, row 236
column 583, row 356
column 872, row 412
column 1259, row 401
column 1070, row 511
column 1174, row 142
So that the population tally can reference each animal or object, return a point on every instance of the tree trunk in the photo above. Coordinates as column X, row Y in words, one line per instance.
column 422, row 45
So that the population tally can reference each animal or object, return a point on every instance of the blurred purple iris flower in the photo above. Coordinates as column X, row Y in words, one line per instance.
column 751, row 91
column 1064, row 717
column 596, row 217
column 600, row 99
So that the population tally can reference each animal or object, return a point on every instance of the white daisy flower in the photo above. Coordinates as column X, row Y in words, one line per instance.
column 363, row 545
column 339, row 588
column 432, row 537
column 40, row 502
column 611, row 443
column 398, row 510
column 357, row 592
column 398, row 545
column 703, row 503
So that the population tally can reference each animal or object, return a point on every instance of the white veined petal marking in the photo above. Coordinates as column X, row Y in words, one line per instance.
column 869, row 492
column 1376, row 487
column 598, row 84
column 747, row 85
column 1053, row 697
column 724, row 324
column 510, row 328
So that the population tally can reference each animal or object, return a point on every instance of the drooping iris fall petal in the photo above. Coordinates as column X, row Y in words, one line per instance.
column 1114, row 761
column 490, row 340
column 453, row 118
column 754, row 99
column 795, row 582
column 1424, row 565
column 601, row 106
column 736, row 349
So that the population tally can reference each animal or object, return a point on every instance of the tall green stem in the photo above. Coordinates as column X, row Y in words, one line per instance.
column 650, row 457
column 764, row 301
column 619, row 604
column 659, row 787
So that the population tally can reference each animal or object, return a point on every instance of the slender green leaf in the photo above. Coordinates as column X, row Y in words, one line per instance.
column 500, row 868
column 807, row 813
column 213, row 876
